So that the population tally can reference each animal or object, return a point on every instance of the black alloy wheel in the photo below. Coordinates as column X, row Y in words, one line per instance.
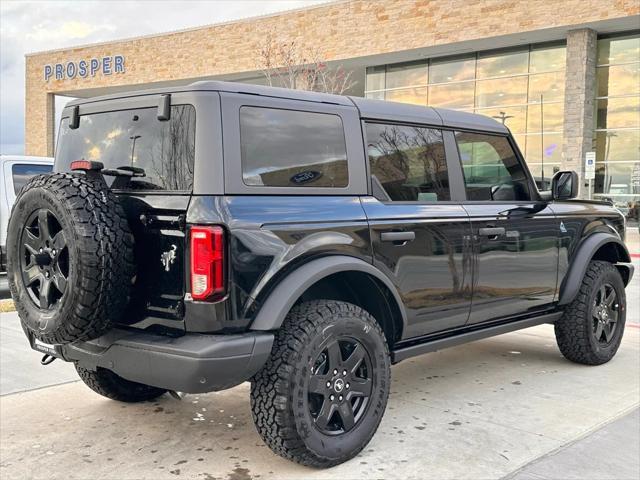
column 605, row 314
column 340, row 386
column 44, row 259
column 592, row 325
column 321, row 395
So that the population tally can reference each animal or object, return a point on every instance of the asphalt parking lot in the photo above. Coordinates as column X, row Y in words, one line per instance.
column 509, row 406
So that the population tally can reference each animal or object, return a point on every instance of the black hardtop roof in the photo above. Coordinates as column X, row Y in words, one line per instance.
column 371, row 109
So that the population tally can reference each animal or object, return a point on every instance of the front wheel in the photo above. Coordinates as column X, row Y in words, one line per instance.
column 590, row 331
column 321, row 395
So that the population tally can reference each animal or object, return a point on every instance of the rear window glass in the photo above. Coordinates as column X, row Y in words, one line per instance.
column 165, row 150
column 22, row 172
column 288, row 148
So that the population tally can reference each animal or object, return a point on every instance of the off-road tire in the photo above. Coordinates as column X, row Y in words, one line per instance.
column 574, row 330
column 278, row 392
column 108, row 384
column 101, row 260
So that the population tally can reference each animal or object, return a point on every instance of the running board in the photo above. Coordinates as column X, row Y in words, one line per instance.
column 438, row 342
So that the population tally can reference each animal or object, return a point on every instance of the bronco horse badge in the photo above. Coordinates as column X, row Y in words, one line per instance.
column 167, row 258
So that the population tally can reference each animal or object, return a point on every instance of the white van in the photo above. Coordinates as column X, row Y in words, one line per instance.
column 15, row 171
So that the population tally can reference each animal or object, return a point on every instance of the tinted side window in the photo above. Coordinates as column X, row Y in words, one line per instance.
column 165, row 150
column 491, row 169
column 408, row 162
column 22, row 172
column 288, row 148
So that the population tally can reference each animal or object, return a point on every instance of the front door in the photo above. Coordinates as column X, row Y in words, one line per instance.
column 421, row 239
column 515, row 233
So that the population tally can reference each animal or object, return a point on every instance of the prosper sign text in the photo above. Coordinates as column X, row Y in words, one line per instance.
column 84, row 68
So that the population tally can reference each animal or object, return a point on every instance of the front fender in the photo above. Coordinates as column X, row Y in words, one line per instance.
column 288, row 291
column 584, row 253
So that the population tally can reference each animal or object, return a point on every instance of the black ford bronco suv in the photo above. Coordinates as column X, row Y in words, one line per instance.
column 195, row 238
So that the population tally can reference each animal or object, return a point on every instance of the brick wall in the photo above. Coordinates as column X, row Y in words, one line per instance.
column 341, row 30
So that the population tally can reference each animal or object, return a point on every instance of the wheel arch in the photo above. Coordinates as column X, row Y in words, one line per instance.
column 338, row 277
column 598, row 246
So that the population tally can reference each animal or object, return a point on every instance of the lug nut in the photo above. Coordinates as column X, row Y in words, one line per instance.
column 53, row 251
column 328, row 384
column 331, row 398
column 335, row 371
column 46, row 274
column 340, row 398
column 347, row 385
column 344, row 373
column 41, row 250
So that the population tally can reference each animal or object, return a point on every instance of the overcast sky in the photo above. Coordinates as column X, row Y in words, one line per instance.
column 27, row 27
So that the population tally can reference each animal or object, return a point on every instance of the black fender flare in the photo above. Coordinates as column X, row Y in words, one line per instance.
column 585, row 252
column 277, row 305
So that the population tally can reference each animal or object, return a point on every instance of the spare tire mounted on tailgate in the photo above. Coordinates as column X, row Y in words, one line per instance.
column 70, row 257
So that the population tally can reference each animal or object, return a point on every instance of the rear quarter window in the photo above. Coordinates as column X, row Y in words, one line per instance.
column 289, row 148
column 165, row 150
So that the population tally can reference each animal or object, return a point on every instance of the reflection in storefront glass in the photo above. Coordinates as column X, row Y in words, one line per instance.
column 416, row 96
column 452, row 95
column 454, row 70
column 616, row 139
column 502, row 64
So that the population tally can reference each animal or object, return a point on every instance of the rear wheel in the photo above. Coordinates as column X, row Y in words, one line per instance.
column 112, row 386
column 320, row 397
column 591, row 329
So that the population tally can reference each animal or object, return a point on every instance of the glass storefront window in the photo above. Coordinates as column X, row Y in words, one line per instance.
column 452, row 95
column 621, row 112
column 515, row 118
column 618, row 50
column 501, row 91
column 618, row 80
column 503, row 85
column 375, row 78
column 617, row 133
column 445, row 71
column 417, row 96
column 553, row 117
column 406, row 75
column 375, row 95
column 545, row 148
column 617, row 145
column 549, row 85
column 547, row 59
column 500, row 64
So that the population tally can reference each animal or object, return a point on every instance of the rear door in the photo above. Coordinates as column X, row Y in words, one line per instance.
column 128, row 133
column 515, row 233
column 419, row 230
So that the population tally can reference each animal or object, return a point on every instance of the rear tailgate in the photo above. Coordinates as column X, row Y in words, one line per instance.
column 162, row 153
column 157, row 222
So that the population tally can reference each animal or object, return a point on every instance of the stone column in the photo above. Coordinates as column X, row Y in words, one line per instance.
column 579, row 100
column 39, row 123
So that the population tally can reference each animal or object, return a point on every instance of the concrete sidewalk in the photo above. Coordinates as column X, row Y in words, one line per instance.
column 611, row 452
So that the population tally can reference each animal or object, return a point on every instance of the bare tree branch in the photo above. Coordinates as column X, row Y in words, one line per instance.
column 285, row 63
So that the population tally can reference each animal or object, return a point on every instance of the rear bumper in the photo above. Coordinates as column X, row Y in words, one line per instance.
column 192, row 363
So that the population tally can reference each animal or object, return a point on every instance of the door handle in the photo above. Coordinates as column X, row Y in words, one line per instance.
column 493, row 232
column 398, row 238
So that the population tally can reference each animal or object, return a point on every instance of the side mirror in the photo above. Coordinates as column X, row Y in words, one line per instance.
column 564, row 185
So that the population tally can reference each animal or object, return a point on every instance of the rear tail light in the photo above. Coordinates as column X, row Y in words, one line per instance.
column 207, row 263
